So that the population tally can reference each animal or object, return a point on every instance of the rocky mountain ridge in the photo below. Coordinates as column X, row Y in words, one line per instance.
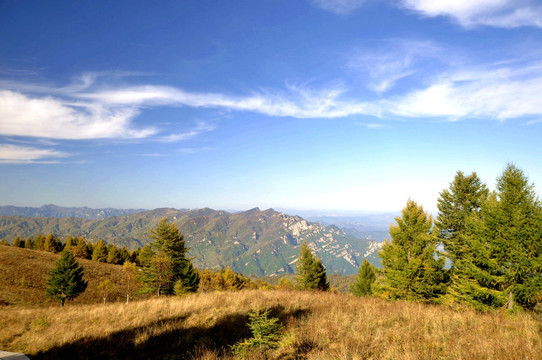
column 252, row 242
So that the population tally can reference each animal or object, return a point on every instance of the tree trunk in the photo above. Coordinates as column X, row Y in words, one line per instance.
column 510, row 303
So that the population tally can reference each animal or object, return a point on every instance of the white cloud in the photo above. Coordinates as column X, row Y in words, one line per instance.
column 298, row 102
column 80, row 111
column 502, row 93
column 48, row 117
column 340, row 7
column 15, row 154
column 505, row 90
column 469, row 13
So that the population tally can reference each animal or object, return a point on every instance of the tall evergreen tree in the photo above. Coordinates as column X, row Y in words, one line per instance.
column 159, row 275
column 409, row 260
column 168, row 239
column 456, row 205
column 505, row 265
column 65, row 280
column 169, row 243
column 362, row 286
column 311, row 273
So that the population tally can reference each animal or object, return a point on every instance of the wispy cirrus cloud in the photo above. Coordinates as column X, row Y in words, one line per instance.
column 468, row 13
column 16, row 154
column 396, row 60
column 83, row 111
column 201, row 127
column 295, row 101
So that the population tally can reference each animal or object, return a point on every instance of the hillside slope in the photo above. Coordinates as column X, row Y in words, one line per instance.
column 23, row 274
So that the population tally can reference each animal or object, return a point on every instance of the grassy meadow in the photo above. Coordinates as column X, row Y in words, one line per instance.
column 205, row 325
column 316, row 326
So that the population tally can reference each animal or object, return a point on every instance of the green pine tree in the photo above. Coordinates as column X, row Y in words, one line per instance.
column 456, row 205
column 145, row 255
column 190, row 278
column 266, row 334
column 170, row 243
column 158, row 276
column 505, row 265
column 311, row 273
column 362, row 286
column 65, row 280
column 412, row 270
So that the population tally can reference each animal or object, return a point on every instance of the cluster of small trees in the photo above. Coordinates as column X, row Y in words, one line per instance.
column 493, row 241
column 168, row 270
column 79, row 247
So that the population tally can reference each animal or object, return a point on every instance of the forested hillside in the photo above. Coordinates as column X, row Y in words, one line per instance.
column 253, row 242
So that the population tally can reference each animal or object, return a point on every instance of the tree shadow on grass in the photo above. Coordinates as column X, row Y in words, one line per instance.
column 164, row 339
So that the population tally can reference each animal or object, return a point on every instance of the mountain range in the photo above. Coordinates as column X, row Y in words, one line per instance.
column 51, row 210
column 252, row 242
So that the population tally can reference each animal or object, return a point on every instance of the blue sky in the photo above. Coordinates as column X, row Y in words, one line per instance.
column 336, row 105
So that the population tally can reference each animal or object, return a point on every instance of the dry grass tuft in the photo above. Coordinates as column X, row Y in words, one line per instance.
column 317, row 326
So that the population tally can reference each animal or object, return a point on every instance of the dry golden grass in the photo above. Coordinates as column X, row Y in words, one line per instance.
column 317, row 326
